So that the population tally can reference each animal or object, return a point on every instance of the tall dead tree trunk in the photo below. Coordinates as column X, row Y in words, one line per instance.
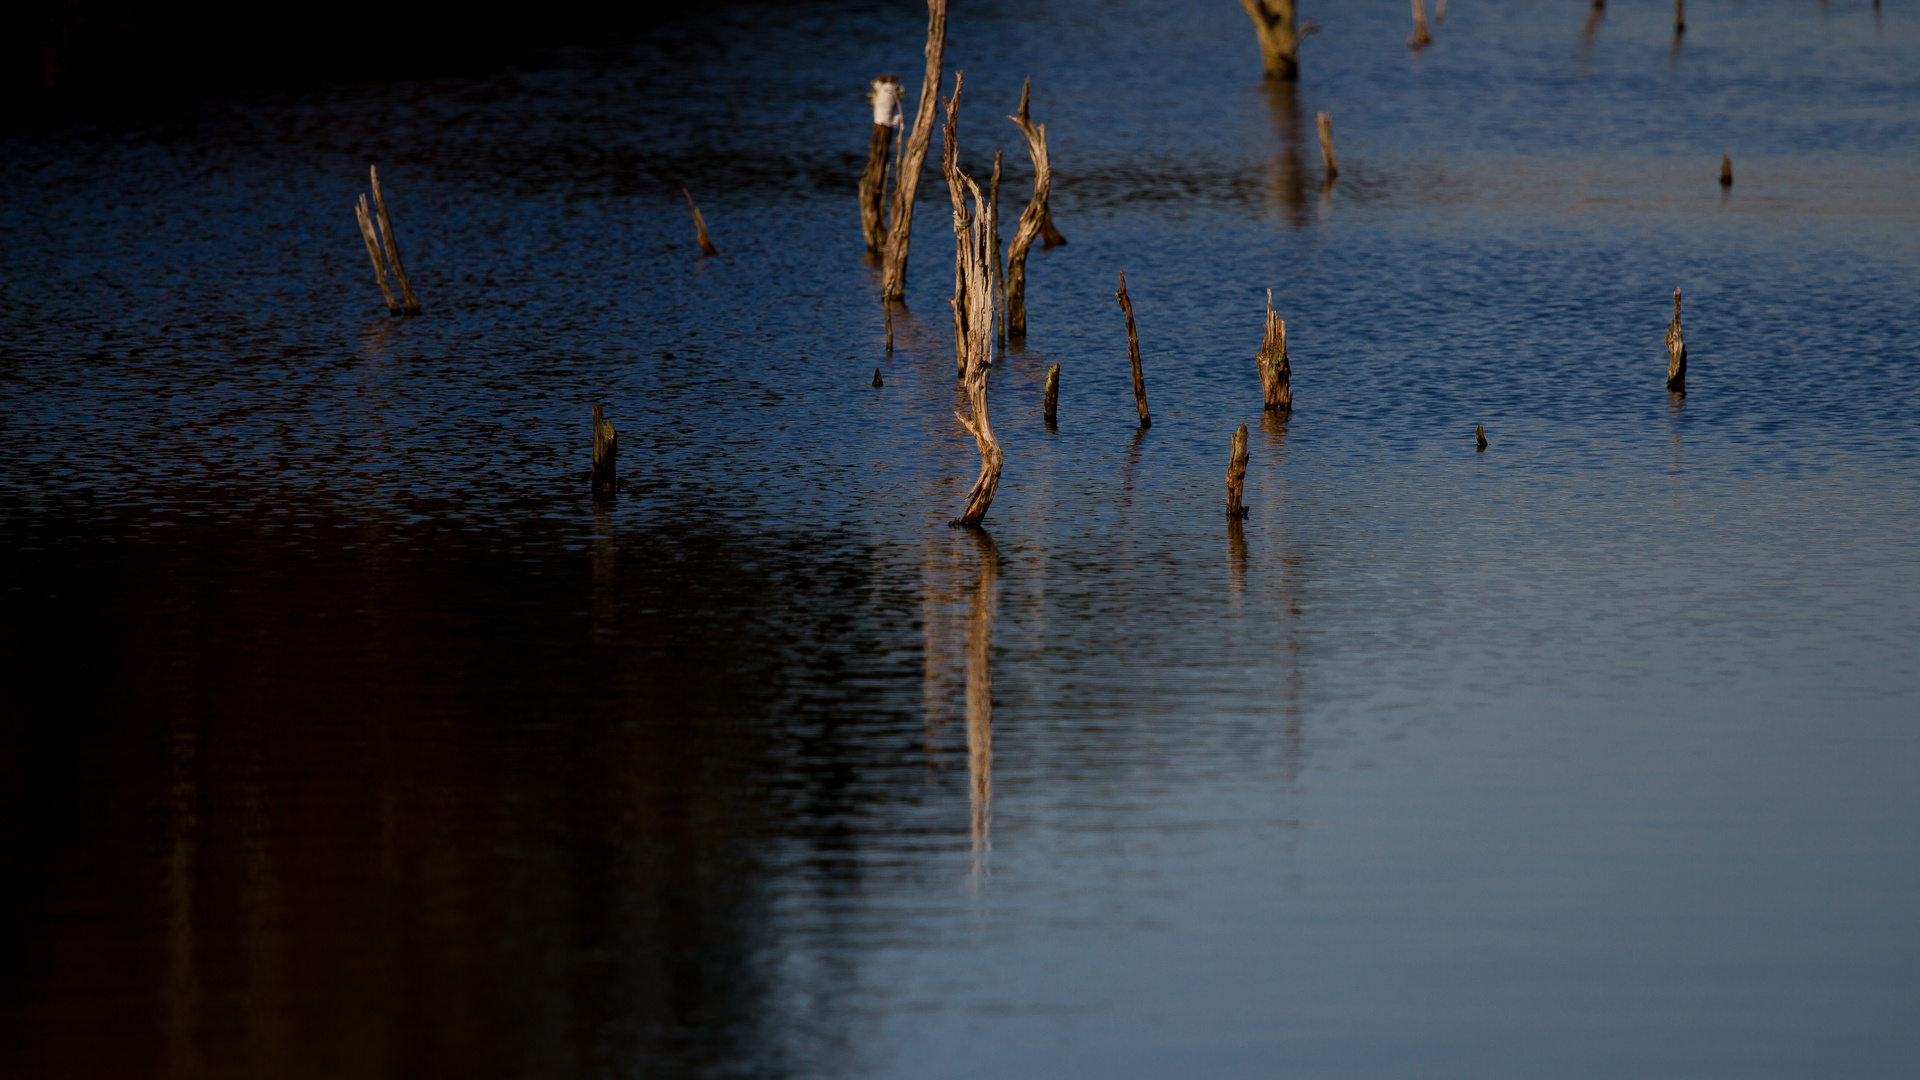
column 893, row 279
column 973, row 232
column 873, row 182
column 1276, row 374
column 1033, row 220
column 1279, row 40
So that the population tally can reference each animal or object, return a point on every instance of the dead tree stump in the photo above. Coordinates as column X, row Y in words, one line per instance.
column 1679, row 17
column 893, row 277
column 1726, row 171
column 973, row 230
column 376, row 228
column 700, row 226
column 1327, row 159
column 1479, row 437
column 1050, row 403
column 1279, row 41
column 873, row 182
column 1420, row 39
column 373, row 252
column 1676, row 351
column 1276, row 373
column 606, row 451
column 1033, row 220
column 1237, row 474
column 1133, row 354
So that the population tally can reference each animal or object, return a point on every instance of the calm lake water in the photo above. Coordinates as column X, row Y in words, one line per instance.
column 342, row 735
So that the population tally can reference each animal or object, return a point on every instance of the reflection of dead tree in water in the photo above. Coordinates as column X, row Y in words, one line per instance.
column 973, row 310
column 1287, row 187
column 1279, row 40
column 893, row 282
column 980, row 699
column 1034, row 220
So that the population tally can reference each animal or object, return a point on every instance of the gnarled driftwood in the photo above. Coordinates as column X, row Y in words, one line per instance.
column 973, row 231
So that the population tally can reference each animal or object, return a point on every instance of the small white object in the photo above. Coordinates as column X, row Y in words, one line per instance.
column 886, row 103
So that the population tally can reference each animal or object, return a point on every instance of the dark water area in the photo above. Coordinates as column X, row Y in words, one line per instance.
column 341, row 733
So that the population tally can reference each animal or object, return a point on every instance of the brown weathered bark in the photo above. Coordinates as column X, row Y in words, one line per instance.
column 1327, row 159
column 1133, row 354
column 1479, row 437
column 606, row 450
column 700, row 226
column 1237, row 473
column 412, row 305
column 1420, row 39
column 1276, row 374
column 999, row 278
column 973, row 231
column 1726, row 171
column 1279, row 41
column 893, row 278
column 373, row 252
column 1032, row 220
column 1050, row 405
column 1676, row 351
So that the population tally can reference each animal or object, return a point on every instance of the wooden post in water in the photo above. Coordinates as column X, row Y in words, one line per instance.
column 1133, row 354
column 1676, row 351
column 973, row 231
column 373, row 252
column 1237, row 474
column 1679, row 17
column 1420, row 39
column 893, row 277
column 606, row 450
column 700, row 226
column 1726, row 171
column 1327, row 159
column 412, row 305
column 873, row 182
column 1031, row 219
column 878, row 382
column 1279, row 41
column 1479, row 437
column 1050, row 404
column 1276, row 374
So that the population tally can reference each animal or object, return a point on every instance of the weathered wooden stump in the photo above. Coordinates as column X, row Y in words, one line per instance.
column 973, row 230
column 878, row 382
column 1050, row 403
column 1034, row 219
column 1679, row 17
column 1676, row 351
column 407, row 299
column 1276, row 373
column 893, row 276
column 1133, row 355
column 606, row 452
column 1237, row 473
column 1421, row 38
column 373, row 252
column 1327, row 159
column 1279, row 41
column 885, row 97
column 1726, row 171
column 700, row 226
column 1479, row 437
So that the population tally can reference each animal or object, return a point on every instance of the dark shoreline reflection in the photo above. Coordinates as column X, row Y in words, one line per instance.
column 419, row 792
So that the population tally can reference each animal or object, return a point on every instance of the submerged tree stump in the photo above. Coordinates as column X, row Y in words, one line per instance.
column 1237, row 473
column 1133, row 355
column 893, row 276
column 376, row 228
column 1479, row 437
column 1679, row 17
column 1276, row 373
column 1726, row 171
column 606, row 451
column 1331, row 163
column 1033, row 220
column 973, row 230
column 700, row 226
column 1420, row 39
column 873, row 182
column 1676, row 351
column 1050, row 402
column 1279, row 41
column 373, row 252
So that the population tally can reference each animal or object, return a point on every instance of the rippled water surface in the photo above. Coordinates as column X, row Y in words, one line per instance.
column 345, row 736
